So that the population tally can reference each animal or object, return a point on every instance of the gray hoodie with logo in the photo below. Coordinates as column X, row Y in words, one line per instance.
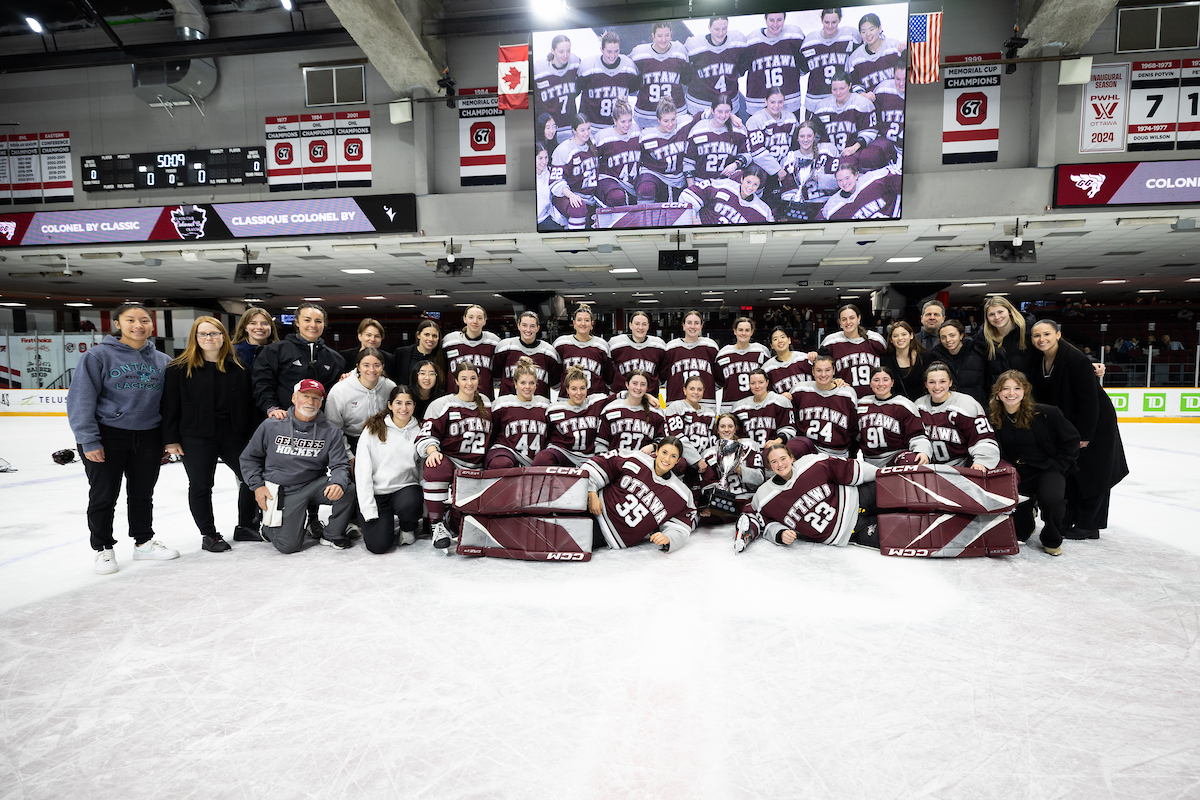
column 117, row 386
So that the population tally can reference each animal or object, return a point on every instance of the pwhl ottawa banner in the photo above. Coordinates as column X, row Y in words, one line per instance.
column 971, row 109
column 480, row 139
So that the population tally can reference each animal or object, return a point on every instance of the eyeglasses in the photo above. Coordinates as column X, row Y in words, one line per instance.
column 214, row 335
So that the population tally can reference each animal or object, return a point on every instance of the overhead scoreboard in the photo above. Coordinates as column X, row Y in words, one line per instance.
column 173, row 169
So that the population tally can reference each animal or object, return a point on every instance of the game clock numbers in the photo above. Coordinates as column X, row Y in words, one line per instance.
column 173, row 169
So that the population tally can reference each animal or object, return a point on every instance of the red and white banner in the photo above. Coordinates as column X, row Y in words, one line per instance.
column 26, row 168
column 283, row 153
column 1189, row 105
column 1105, row 107
column 1153, row 105
column 54, row 151
column 353, row 138
column 481, row 147
column 513, row 76
column 971, row 110
column 5, row 181
column 318, row 151
column 1126, row 183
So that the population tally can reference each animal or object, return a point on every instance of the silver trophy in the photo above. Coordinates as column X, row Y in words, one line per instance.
column 730, row 454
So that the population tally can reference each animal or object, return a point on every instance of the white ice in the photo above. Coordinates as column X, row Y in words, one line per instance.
column 807, row 671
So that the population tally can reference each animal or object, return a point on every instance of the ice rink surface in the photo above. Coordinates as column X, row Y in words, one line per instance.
column 806, row 672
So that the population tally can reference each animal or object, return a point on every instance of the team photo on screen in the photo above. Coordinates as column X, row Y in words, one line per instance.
column 785, row 117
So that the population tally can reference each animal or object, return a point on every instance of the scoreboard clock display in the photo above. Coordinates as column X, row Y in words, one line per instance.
column 173, row 169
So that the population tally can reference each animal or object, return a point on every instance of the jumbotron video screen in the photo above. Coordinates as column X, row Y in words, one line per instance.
column 788, row 117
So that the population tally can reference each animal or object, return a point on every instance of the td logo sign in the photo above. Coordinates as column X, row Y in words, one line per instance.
column 1120, row 400
column 1154, row 402
column 1189, row 402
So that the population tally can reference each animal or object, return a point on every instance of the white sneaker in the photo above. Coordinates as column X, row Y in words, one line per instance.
column 153, row 550
column 441, row 536
column 408, row 537
column 741, row 537
column 106, row 562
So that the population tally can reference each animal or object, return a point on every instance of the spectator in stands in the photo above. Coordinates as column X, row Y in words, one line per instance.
column 1169, row 345
column 933, row 314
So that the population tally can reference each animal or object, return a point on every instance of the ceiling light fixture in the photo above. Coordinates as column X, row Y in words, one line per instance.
column 622, row 270
column 1041, row 224
column 970, row 285
column 904, row 259
column 33, row 24
column 963, row 227
column 139, row 280
column 1114, row 280
column 879, row 230
column 1073, row 292
column 354, row 248
column 796, row 233
column 1138, row 221
column 362, row 271
column 958, row 248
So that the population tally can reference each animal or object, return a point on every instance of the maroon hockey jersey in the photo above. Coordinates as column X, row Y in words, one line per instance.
column 662, row 76
column 959, row 432
column 626, row 427
column 846, row 123
column 573, row 429
column 853, row 359
column 601, row 86
column 813, row 176
column 868, row 70
column 519, row 428
column 545, row 362
column 876, row 196
column 784, row 377
column 662, row 153
column 715, row 68
column 829, row 419
column 693, row 426
column 770, row 139
column 592, row 356
column 628, row 355
column 770, row 419
column 457, row 347
column 719, row 202
column 711, row 148
column 574, row 166
column 774, row 63
column 820, row 58
column 734, row 367
column 638, row 503
column 619, row 156
column 819, row 502
column 889, row 113
column 556, row 90
column 683, row 360
column 889, row 427
column 458, row 430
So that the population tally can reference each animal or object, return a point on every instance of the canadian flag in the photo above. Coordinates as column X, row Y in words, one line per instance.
column 514, row 76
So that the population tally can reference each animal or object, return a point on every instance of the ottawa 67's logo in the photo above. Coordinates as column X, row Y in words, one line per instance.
column 318, row 151
column 352, row 149
column 972, row 108
column 284, row 153
column 483, row 135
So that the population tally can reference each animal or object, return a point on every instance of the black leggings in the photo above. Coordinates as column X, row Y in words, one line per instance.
column 136, row 457
column 1048, row 490
column 407, row 503
column 200, row 454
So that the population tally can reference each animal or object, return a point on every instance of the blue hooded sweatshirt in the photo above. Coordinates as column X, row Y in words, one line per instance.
column 117, row 386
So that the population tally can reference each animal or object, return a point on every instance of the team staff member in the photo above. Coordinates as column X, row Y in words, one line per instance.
column 363, row 394
column 370, row 334
column 907, row 358
column 425, row 348
column 965, row 358
column 387, row 474
column 573, row 423
column 589, row 353
column 255, row 330
column 526, row 345
column 1044, row 447
column 736, row 361
column 635, row 496
column 518, row 421
column 957, row 426
column 890, row 430
column 428, row 384
column 303, row 458
column 694, row 354
column 302, row 354
column 636, row 350
column 472, row 345
column 854, row 349
column 114, row 408
column 1064, row 377
column 208, row 414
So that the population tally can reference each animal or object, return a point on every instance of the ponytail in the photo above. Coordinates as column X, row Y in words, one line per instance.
column 377, row 423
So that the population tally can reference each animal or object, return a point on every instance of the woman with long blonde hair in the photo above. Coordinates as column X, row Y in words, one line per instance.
column 208, row 414
column 1004, row 339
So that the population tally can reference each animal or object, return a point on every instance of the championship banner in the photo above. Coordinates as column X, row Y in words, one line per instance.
column 1189, row 105
column 1105, row 103
column 353, row 143
column 480, row 139
column 54, row 150
column 1153, row 105
column 971, row 110
column 5, row 182
column 1126, row 183
column 283, row 157
column 318, row 155
column 386, row 213
column 26, row 168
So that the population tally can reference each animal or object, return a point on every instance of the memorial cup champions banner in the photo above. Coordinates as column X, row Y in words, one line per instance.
column 481, row 147
column 1105, row 107
column 319, row 151
column 971, row 110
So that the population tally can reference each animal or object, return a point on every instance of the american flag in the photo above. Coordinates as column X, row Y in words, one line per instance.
column 924, row 47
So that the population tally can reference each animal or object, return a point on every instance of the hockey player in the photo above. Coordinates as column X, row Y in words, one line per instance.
column 555, row 86
column 605, row 80
column 854, row 349
column 824, row 52
column 811, row 174
column 573, row 422
column 872, row 63
column 472, row 345
column 890, row 430
column 736, row 361
column 589, row 353
column 632, row 421
column 872, row 195
column 716, row 148
column 818, row 498
column 660, row 165
column 573, row 178
column 715, row 59
column 618, row 150
column 766, row 416
column 729, row 202
column 694, row 354
column 888, row 145
column 527, row 345
column 746, row 474
column 849, row 119
column 787, row 367
column 519, row 425
column 958, row 429
column 826, row 412
column 636, row 350
column 455, row 434
column 772, row 60
column 771, row 135
column 635, row 496
column 387, row 474
column 692, row 422
column 664, row 68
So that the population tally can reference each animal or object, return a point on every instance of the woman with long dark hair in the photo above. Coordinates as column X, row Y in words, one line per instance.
column 636, row 350
column 573, row 181
column 589, row 353
column 208, row 414
column 636, row 496
column 387, row 474
column 965, row 358
column 890, row 430
column 114, row 407
column 628, row 423
column 1064, row 377
column 787, row 367
column 1036, row 439
column 907, row 358
column 255, row 330
column 426, row 347
column 428, row 384
column 957, row 426
column 855, row 350
column 363, row 394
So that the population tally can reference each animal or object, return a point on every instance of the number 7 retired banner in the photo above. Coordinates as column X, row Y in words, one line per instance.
column 481, row 154
column 971, row 110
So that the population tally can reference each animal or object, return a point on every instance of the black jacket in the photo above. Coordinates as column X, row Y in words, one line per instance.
column 351, row 355
column 912, row 380
column 1073, row 387
column 189, row 403
column 1009, row 355
column 969, row 368
column 407, row 357
column 1054, row 444
column 281, row 365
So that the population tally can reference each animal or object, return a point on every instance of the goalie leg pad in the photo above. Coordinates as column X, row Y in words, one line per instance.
column 527, row 538
column 527, row 490
column 946, row 535
column 939, row 487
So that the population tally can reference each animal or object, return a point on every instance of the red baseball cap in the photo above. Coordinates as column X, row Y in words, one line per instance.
column 309, row 385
